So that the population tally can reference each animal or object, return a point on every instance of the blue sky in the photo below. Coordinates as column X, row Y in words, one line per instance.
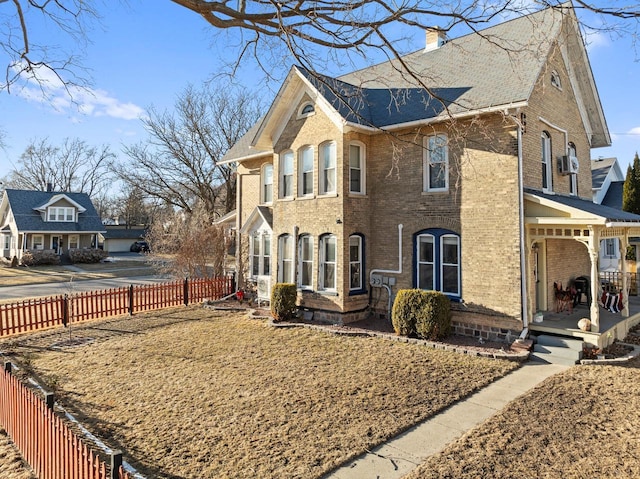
column 141, row 57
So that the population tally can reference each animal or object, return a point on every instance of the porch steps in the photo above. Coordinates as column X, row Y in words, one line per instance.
column 557, row 350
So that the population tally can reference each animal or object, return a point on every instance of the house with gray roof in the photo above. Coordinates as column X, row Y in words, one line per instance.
column 47, row 220
column 462, row 168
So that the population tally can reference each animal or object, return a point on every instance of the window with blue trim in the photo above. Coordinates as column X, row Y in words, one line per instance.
column 437, row 260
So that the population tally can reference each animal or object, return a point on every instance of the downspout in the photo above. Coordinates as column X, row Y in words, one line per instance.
column 390, row 271
column 523, row 246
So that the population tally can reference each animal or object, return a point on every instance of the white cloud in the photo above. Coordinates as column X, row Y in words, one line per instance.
column 595, row 38
column 46, row 88
column 634, row 131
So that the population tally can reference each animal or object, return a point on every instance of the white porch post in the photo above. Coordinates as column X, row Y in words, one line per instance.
column 625, row 287
column 595, row 311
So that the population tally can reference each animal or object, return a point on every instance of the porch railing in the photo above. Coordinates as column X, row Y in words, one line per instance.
column 612, row 280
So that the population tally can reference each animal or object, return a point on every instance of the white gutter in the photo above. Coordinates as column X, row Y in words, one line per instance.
column 523, row 245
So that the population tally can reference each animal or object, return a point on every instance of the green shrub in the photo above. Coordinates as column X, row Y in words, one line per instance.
column 426, row 314
column 283, row 301
column 87, row 255
column 40, row 257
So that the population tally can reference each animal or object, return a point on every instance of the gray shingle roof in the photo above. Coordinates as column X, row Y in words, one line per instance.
column 22, row 203
column 599, row 171
column 611, row 214
column 123, row 233
column 613, row 198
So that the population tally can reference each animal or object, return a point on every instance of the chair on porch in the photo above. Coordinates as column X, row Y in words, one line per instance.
column 564, row 297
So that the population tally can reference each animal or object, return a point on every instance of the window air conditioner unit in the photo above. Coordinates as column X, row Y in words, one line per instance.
column 567, row 165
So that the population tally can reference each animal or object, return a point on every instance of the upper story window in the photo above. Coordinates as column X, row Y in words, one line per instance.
column 573, row 177
column 305, row 167
column 66, row 214
column 555, row 80
column 357, row 168
column 438, row 261
column 286, row 174
column 266, row 195
column 328, row 246
column 305, row 260
column 436, row 163
column 307, row 109
column 328, row 168
column 547, row 171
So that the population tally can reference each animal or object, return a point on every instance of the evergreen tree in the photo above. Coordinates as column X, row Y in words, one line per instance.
column 631, row 188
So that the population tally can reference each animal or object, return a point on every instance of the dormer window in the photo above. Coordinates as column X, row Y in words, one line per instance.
column 64, row 214
column 307, row 109
column 555, row 80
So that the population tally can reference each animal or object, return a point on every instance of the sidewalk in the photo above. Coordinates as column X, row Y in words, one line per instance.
column 400, row 455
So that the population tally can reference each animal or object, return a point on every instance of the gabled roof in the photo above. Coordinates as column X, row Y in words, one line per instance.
column 613, row 198
column 601, row 167
column 24, row 205
column 260, row 214
column 600, row 214
column 57, row 197
column 489, row 70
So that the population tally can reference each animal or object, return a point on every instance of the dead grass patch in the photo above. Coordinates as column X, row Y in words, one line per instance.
column 12, row 465
column 194, row 393
column 582, row 423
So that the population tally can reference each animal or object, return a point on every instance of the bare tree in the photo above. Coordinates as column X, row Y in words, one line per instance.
column 73, row 166
column 196, row 247
column 179, row 165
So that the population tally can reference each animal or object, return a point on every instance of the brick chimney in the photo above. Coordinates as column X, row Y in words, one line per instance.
column 436, row 37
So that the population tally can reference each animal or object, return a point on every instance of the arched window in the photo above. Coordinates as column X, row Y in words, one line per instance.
column 305, row 262
column 555, row 80
column 307, row 109
column 328, row 167
column 328, row 262
column 267, row 184
column 286, row 174
column 357, row 168
column 305, row 169
column 574, row 166
column 547, row 171
column 437, row 259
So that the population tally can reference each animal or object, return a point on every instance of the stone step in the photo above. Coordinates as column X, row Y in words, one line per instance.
column 549, row 359
column 558, row 351
column 559, row 342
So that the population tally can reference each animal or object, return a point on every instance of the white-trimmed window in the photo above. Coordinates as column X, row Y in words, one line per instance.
column 438, row 261
column 355, row 262
column 7, row 241
column 328, row 256
column 357, row 168
column 74, row 241
column 285, row 256
column 547, row 171
column 328, row 168
column 63, row 214
column 37, row 242
column 306, row 109
column 266, row 184
column 610, row 247
column 260, row 254
column 305, row 167
column 436, row 163
column 305, row 260
column 286, row 174
column 555, row 80
column 573, row 177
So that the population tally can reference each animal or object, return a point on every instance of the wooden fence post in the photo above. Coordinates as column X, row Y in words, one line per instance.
column 186, row 292
column 130, row 300
column 7, row 366
column 65, row 310
column 116, row 463
column 49, row 400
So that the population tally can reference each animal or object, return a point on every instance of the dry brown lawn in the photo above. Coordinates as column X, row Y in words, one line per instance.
column 583, row 423
column 11, row 464
column 196, row 393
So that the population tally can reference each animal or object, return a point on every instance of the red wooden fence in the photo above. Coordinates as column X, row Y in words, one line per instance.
column 52, row 450
column 37, row 314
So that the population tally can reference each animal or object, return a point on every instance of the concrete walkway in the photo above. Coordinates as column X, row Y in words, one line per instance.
column 399, row 456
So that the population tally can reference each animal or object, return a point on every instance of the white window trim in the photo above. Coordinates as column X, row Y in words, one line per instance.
column 77, row 241
column 323, row 261
column 419, row 262
column 65, row 211
column 287, row 154
column 359, row 262
column 555, row 80
column 427, row 163
column 263, row 184
column 443, row 264
column 331, row 145
column 573, row 177
column 610, row 248
column 546, row 152
column 33, row 241
column 363, row 168
column 300, row 262
column 301, row 172
column 262, row 254
column 307, row 114
column 281, row 259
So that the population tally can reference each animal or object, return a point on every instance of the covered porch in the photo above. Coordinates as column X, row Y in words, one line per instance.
column 563, row 236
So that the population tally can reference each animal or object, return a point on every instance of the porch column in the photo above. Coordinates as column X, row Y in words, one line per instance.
column 625, row 287
column 595, row 281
